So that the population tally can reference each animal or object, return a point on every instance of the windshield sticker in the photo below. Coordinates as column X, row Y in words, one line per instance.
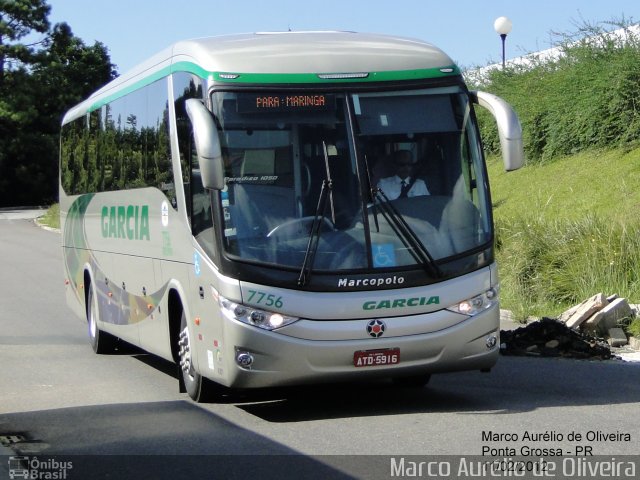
column 384, row 255
column 252, row 179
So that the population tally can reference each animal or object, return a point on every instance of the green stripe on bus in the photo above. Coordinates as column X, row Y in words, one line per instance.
column 306, row 78
column 155, row 76
column 273, row 78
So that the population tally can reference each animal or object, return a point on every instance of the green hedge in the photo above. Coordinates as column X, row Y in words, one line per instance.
column 588, row 98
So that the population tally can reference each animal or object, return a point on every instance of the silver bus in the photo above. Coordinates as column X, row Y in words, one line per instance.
column 277, row 209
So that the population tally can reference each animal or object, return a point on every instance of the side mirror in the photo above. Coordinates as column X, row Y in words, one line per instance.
column 207, row 144
column 509, row 128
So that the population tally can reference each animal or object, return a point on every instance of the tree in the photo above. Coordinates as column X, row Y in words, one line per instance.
column 67, row 72
column 18, row 18
column 73, row 69
column 38, row 83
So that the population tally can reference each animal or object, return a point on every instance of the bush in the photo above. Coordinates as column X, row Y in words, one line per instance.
column 587, row 98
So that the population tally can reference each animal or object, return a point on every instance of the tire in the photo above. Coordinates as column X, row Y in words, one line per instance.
column 199, row 388
column 412, row 381
column 101, row 342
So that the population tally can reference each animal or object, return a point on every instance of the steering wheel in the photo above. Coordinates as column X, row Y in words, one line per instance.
column 296, row 227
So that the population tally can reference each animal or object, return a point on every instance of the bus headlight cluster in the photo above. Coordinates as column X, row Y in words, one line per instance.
column 254, row 316
column 477, row 304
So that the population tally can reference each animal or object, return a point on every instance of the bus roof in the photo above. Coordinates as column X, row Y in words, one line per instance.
column 284, row 58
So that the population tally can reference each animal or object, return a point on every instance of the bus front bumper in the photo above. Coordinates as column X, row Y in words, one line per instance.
column 258, row 358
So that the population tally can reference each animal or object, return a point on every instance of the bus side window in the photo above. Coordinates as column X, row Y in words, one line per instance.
column 185, row 86
column 200, row 208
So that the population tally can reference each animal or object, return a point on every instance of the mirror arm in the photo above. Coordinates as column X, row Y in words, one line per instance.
column 509, row 128
column 207, row 144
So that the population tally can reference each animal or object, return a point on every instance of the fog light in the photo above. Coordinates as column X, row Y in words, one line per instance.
column 244, row 359
column 491, row 341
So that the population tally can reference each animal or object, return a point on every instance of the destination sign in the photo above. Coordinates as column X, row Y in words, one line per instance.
column 254, row 103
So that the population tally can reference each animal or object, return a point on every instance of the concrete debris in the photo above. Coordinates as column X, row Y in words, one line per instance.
column 609, row 316
column 578, row 314
column 617, row 337
column 599, row 315
column 579, row 332
column 552, row 338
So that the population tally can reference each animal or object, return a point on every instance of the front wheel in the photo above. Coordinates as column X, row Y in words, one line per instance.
column 199, row 388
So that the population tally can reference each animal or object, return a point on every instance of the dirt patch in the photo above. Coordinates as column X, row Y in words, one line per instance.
column 551, row 338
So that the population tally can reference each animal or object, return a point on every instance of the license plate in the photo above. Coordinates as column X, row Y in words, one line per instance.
column 374, row 358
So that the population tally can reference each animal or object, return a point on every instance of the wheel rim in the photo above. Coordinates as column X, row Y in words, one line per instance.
column 92, row 319
column 185, row 354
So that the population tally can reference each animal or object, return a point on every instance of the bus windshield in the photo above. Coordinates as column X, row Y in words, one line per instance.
column 351, row 181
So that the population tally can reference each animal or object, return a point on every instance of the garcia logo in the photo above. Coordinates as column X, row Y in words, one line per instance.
column 130, row 222
column 401, row 303
column 370, row 282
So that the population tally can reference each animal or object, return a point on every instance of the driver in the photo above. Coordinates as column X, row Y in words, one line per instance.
column 403, row 184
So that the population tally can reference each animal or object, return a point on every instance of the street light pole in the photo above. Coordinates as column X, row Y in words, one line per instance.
column 502, row 26
column 503, row 36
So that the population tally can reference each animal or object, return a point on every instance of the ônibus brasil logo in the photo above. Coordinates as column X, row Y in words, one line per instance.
column 38, row 468
column 376, row 328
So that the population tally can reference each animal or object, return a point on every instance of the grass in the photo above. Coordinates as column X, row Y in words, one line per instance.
column 599, row 183
column 51, row 218
column 634, row 328
column 566, row 230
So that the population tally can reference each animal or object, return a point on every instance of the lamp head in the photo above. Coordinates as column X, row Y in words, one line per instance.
column 502, row 25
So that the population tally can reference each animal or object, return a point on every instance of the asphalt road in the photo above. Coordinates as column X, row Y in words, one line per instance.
column 121, row 415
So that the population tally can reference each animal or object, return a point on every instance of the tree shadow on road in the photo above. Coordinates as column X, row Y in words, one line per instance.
column 157, row 440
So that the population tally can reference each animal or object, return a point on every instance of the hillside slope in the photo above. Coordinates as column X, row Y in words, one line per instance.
column 567, row 229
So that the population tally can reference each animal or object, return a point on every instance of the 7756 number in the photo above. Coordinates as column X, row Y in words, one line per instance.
column 264, row 298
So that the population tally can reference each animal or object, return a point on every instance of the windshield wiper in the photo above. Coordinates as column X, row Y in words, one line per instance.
column 372, row 191
column 405, row 233
column 326, row 193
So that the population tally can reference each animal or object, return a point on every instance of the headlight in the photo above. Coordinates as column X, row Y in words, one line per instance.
column 253, row 316
column 478, row 304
